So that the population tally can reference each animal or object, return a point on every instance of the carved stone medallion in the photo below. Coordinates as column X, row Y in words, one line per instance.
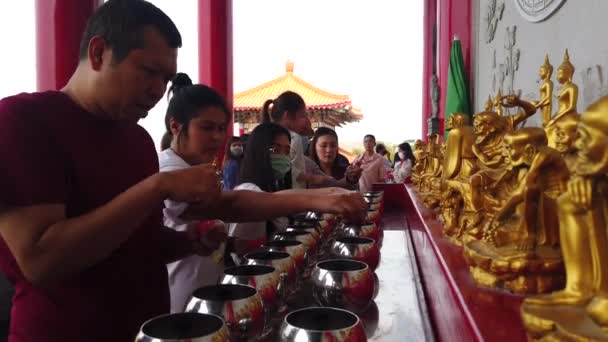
column 537, row 10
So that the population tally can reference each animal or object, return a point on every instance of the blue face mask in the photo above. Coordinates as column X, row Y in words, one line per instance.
column 280, row 165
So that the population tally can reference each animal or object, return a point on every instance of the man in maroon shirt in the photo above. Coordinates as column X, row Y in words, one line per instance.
column 81, row 198
column 80, row 192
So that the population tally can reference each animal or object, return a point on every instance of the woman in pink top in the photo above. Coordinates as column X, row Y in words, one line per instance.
column 374, row 170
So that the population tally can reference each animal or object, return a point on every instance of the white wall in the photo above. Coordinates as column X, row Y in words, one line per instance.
column 579, row 25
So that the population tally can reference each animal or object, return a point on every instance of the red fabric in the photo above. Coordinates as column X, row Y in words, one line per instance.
column 204, row 226
column 255, row 244
column 54, row 152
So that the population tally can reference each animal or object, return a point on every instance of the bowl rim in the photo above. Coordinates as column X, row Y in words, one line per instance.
column 284, row 255
column 208, row 315
column 331, row 308
column 366, row 241
column 251, row 289
column 361, row 263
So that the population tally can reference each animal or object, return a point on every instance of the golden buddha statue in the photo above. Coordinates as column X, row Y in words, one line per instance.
column 565, row 135
column 459, row 163
column 567, row 97
column 580, row 311
column 497, row 103
column 489, row 129
column 485, row 190
column 489, row 106
column 430, row 180
column 520, row 247
column 546, row 91
column 420, row 166
column 460, row 159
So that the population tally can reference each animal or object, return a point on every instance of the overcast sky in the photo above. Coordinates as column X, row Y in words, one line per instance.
column 370, row 50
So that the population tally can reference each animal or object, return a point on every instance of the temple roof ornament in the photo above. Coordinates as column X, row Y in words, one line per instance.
column 324, row 107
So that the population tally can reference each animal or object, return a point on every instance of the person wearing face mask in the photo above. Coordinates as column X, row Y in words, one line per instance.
column 403, row 168
column 232, row 162
column 197, row 119
column 266, row 167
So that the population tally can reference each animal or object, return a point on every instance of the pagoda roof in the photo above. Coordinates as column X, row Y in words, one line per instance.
column 317, row 100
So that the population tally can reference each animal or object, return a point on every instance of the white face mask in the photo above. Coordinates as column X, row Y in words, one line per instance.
column 401, row 155
column 237, row 151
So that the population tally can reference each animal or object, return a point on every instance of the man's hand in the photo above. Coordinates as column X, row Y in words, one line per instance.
column 200, row 184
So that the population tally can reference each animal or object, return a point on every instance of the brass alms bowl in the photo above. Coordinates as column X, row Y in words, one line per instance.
column 321, row 325
column 184, row 327
column 366, row 230
column 295, row 249
column 356, row 248
column 282, row 262
column 240, row 306
column 345, row 284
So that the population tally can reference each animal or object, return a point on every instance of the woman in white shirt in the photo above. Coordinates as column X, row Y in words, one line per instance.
column 403, row 168
column 196, row 120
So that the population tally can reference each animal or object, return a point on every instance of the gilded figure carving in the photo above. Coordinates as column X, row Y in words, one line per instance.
column 567, row 97
column 520, row 247
column 546, row 91
column 459, row 163
column 430, row 179
column 418, row 170
column 579, row 312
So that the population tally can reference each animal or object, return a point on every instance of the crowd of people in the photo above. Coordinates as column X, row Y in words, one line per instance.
column 323, row 164
column 99, row 232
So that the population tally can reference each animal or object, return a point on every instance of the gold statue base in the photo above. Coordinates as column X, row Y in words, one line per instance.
column 519, row 272
column 560, row 323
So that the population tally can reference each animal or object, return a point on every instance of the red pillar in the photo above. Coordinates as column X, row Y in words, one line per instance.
column 215, row 49
column 59, row 28
column 455, row 19
column 429, row 21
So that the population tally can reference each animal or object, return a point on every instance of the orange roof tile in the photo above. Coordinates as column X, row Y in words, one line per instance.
column 356, row 112
column 315, row 98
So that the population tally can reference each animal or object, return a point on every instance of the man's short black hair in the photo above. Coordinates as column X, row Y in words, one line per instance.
column 121, row 23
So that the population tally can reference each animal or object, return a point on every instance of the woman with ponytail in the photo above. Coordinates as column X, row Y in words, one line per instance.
column 289, row 111
column 197, row 118
column 196, row 122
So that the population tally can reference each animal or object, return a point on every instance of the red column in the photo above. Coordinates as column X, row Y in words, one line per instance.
column 59, row 28
column 430, row 19
column 215, row 48
column 455, row 19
